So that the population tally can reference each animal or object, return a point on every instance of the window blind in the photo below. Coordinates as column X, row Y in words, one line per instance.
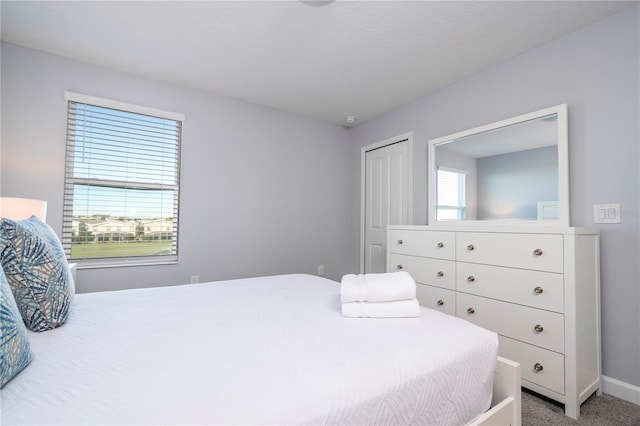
column 121, row 198
column 451, row 194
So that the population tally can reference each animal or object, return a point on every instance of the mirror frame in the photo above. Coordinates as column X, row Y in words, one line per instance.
column 563, row 171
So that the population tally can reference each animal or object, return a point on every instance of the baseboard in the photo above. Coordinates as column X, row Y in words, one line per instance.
column 621, row 389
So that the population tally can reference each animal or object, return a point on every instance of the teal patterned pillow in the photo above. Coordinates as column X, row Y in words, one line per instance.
column 37, row 271
column 15, row 352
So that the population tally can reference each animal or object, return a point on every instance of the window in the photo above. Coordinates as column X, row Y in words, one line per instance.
column 451, row 194
column 121, row 183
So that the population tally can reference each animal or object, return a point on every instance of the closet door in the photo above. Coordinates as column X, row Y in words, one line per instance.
column 386, row 200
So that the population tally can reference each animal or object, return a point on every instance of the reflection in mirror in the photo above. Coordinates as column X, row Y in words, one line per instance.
column 515, row 169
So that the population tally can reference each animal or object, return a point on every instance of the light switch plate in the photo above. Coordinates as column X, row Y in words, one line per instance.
column 606, row 213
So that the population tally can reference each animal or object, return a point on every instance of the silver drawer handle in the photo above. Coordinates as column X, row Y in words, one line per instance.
column 471, row 247
column 440, row 274
column 471, row 311
column 471, row 278
column 537, row 252
column 538, row 328
column 538, row 367
column 538, row 290
column 399, row 241
column 440, row 302
column 399, row 266
column 440, row 245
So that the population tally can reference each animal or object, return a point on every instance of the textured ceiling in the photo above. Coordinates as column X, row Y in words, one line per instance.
column 360, row 58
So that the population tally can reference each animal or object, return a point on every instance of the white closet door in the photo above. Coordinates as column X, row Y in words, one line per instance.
column 386, row 200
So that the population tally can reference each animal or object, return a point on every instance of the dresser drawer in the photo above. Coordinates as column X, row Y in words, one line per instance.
column 438, row 244
column 530, row 325
column 437, row 298
column 540, row 366
column 544, row 290
column 528, row 251
column 425, row 270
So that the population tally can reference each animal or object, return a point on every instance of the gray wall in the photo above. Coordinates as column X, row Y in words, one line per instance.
column 596, row 72
column 510, row 185
column 263, row 191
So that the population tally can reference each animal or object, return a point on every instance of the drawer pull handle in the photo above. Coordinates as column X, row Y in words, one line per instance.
column 538, row 290
column 471, row 311
column 399, row 266
column 471, row 247
column 537, row 252
column 538, row 328
column 440, row 245
column 400, row 242
column 440, row 274
column 471, row 278
column 538, row 367
column 440, row 302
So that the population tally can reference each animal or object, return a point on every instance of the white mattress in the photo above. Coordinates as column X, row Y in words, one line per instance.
column 272, row 350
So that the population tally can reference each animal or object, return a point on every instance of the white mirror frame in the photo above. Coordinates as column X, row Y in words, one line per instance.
column 563, row 170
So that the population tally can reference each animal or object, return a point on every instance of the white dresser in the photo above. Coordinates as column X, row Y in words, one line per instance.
column 538, row 288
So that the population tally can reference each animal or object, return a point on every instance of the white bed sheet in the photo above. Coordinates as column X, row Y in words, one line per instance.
column 270, row 350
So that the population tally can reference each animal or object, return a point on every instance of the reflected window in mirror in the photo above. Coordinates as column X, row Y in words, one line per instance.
column 451, row 194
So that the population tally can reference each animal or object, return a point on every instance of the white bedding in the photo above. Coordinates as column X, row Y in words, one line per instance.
column 271, row 350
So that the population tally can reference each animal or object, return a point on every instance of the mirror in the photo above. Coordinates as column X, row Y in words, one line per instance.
column 511, row 172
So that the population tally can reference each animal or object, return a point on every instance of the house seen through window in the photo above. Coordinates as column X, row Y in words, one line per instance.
column 121, row 182
column 451, row 194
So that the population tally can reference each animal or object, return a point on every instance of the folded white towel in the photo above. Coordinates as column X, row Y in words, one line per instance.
column 377, row 287
column 395, row 309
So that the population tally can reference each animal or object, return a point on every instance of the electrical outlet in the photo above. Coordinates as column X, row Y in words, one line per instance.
column 195, row 279
column 320, row 270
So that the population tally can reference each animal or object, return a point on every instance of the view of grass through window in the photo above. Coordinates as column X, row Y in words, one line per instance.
column 84, row 251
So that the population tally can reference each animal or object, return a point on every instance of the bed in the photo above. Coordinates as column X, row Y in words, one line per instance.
column 269, row 350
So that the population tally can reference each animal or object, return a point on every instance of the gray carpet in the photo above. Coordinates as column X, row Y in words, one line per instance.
column 604, row 410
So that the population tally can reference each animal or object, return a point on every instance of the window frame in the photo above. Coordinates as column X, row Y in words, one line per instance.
column 70, row 180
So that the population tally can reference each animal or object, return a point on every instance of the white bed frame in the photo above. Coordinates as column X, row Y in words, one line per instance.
column 506, row 405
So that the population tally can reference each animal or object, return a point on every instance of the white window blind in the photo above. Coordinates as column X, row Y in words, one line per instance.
column 122, row 183
column 451, row 194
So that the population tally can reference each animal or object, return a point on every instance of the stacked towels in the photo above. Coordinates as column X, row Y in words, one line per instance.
column 391, row 295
